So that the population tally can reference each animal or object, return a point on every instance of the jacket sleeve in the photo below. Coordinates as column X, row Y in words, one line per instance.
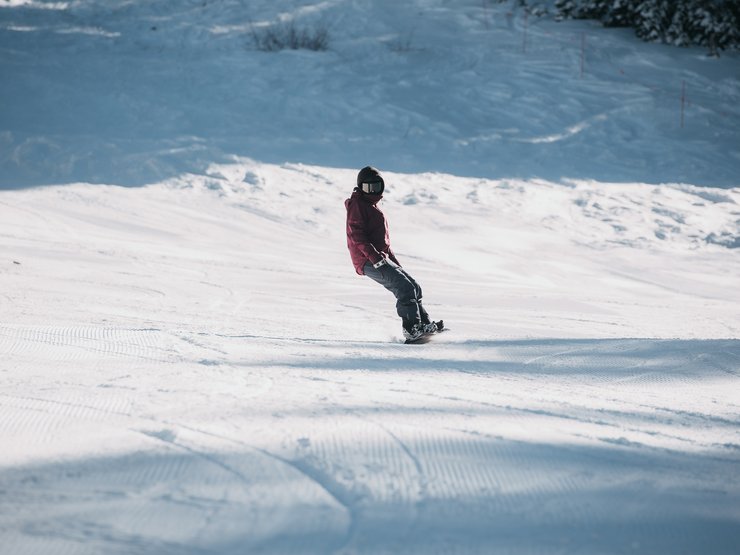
column 392, row 256
column 357, row 234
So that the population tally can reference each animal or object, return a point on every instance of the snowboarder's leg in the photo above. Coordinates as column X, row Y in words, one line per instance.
column 423, row 316
column 404, row 288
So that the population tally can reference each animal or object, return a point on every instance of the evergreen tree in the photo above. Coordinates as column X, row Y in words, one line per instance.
column 711, row 23
column 621, row 13
column 653, row 18
column 583, row 9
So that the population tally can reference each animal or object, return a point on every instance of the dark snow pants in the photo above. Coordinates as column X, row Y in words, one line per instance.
column 404, row 287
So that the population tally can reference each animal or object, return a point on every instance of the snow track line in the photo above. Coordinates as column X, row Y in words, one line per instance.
column 78, row 343
column 307, row 340
column 422, row 495
column 193, row 451
column 423, row 482
column 332, row 490
column 70, row 406
column 614, row 421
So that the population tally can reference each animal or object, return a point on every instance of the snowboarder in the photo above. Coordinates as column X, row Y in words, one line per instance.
column 372, row 256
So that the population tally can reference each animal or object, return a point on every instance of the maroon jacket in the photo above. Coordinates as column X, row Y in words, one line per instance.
column 367, row 231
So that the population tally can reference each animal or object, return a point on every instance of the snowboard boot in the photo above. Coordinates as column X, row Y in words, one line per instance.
column 412, row 332
column 433, row 327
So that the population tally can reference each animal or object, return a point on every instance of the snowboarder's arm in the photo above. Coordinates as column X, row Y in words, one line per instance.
column 358, row 236
column 392, row 256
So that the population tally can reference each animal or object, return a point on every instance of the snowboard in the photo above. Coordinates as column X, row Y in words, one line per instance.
column 427, row 337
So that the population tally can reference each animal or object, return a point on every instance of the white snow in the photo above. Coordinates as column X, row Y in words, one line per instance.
column 191, row 365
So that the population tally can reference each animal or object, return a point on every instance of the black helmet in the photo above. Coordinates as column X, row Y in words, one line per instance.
column 369, row 181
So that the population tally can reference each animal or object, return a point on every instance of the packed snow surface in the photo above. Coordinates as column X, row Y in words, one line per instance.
column 191, row 366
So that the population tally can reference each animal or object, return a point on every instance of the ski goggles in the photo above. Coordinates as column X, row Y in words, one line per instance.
column 372, row 187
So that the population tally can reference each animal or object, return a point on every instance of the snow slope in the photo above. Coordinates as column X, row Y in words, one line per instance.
column 139, row 91
column 192, row 366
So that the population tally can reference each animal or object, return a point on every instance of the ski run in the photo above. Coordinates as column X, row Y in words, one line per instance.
column 189, row 363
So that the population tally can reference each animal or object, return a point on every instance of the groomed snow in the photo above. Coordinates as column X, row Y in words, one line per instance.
column 192, row 365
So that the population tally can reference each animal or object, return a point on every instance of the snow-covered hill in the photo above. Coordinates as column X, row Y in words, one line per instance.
column 135, row 92
column 192, row 366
